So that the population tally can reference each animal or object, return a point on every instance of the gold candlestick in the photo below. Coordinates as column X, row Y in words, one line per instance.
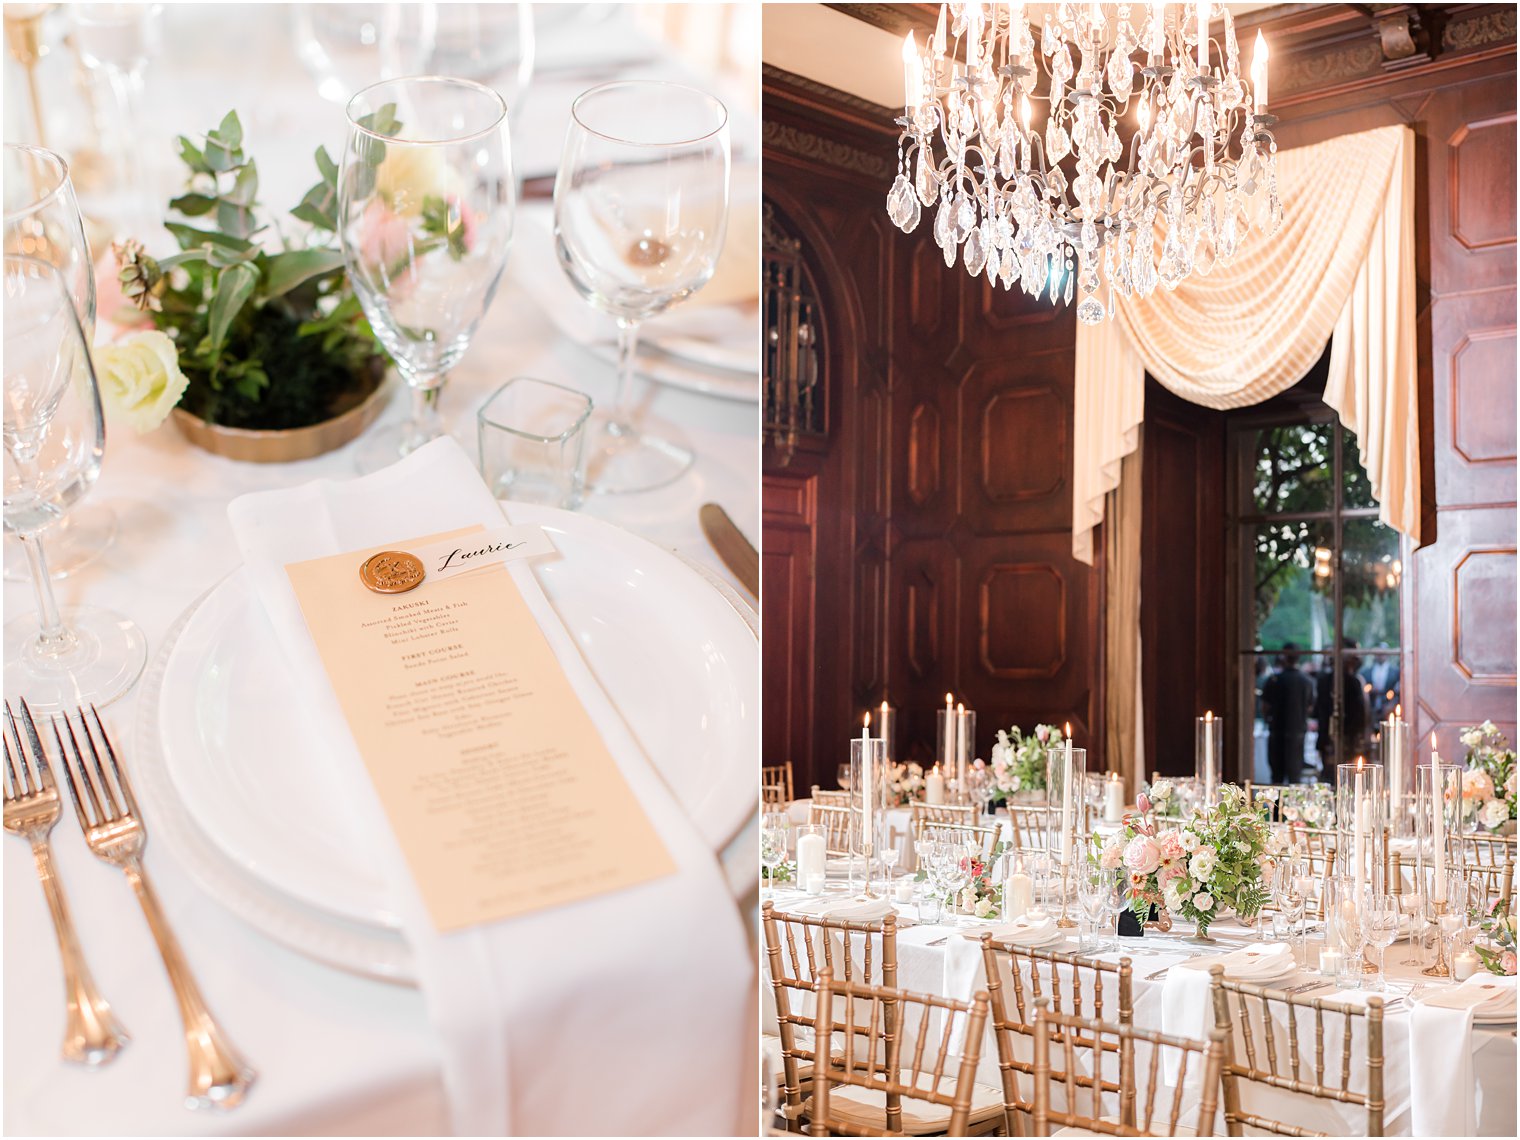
column 23, row 36
column 1439, row 969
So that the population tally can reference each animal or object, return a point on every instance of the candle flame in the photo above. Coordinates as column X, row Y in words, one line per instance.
column 868, row 720
column 1209, row 716
column 949, row 700
column 1068, row 730
column 960, row 708
column 1361, row 761
column 1398, row 712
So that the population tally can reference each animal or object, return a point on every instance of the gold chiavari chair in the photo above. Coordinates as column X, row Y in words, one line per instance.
column 1030, row 826
column 1276, row 1018
column 1088, row 985
column 921, row 814
column 776, row 786
column 1487, row 885
column 833, row 798
column 836, row 822
column 853, row 1095
column 798, row 948
column 1158, row 1110
column 985, row 838
column 1487, row 850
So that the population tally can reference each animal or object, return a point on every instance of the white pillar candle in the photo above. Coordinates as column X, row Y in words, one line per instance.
column 1329, row 961
column 1464, row 965
column 903, row 891
column 812, row 859
column 1113, row 799
column 1018, row 895
column 934, row 787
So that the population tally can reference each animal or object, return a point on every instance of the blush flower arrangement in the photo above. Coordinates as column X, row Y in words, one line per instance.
column 1488, row 784
column 1221, row 859
column 980, row 897
column 1019, row 761
column 905, row 783
column 1499, row 927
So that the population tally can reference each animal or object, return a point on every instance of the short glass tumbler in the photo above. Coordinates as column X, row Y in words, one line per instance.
column 533, row 442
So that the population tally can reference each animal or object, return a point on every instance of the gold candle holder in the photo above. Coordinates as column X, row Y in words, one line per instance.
column 23, row 36
column 1439, row 969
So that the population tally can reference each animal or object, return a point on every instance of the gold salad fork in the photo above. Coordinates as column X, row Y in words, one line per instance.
column 91, row 1035
column 113, row 828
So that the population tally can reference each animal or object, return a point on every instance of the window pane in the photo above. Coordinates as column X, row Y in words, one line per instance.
column 1371, row 571
column 1286, row 737
column 1294, row 470
column 1356, row 489
column 1293, row 585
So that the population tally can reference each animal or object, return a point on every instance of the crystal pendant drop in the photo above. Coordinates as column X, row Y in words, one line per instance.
column 965, row 219
column 974, row 255
column 1090, row 311
column 1070, row 277
column 944, row 225
column 925, row 181
column 902, row 205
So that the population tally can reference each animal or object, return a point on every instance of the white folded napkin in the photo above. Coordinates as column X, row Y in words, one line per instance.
column 529, row 1010
column 1185, row 1007
column 1022, row 931
column 1443, row 1096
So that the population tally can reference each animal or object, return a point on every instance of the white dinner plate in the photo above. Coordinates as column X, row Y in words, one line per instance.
column 1498, row 1010
column 675, row 657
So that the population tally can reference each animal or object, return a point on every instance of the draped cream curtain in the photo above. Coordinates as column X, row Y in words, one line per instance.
column 1123, row 724
column 1342, row 262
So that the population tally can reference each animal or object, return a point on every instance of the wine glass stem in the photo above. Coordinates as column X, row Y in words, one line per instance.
column 621, row 420
column 54, row 637
column 425, row 422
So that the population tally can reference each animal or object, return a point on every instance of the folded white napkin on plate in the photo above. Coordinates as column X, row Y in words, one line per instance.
column 530, row 1009
column 1022, row 931
column 1185, row 1008
column 1444, row 1094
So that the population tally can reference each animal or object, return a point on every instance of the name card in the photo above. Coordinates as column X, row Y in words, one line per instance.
column 500, row 790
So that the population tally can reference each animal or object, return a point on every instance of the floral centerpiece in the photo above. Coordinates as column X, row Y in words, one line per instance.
column 254, row 328
column 905, row 783
column 1488, row 784
column 1499, row 926
column 1311, row 805
column 979, row 897
column 1222, row 858
column 1019, row 761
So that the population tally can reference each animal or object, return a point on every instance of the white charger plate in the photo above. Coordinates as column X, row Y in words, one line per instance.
column 1489, row 1013
column 681, row 663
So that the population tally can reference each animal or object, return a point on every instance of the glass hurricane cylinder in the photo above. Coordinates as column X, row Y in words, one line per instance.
column 1437, row 818
column 955, row 748
column 1065, row 774
column 868, row 802
column 1361, row 812
column 1396, row 751
column 1208, row 748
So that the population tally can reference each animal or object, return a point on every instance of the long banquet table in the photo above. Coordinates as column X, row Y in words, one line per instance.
column 337, row 1053
column 924, row 965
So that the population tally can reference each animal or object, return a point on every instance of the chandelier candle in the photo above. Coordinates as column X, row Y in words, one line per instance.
column 1076, row 208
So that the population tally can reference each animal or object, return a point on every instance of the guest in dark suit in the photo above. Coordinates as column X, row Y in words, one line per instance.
column 1356, row 716
column 1287, row 700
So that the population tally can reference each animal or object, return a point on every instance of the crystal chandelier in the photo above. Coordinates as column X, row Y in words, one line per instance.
column 1178, row 198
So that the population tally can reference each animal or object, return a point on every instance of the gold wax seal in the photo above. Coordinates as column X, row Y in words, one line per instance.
column 392, row 572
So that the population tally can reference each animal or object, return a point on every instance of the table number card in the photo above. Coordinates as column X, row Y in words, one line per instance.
column 499, row 788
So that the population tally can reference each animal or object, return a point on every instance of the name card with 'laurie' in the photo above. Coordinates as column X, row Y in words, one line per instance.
column 501, row 791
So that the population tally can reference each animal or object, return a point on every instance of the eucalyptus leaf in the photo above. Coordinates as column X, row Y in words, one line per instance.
column 193, row 205
column 191, row 156
column 189, row 237
column 284, row 271
column 234, row 286
column 231, row 131
column 245, row 187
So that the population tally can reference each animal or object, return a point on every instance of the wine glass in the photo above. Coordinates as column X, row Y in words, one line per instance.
column 54, row 439
column 426, row 206
column 1381, row 920
column 640, row 210
column 1290, row 897
column 1091, row 884
column 772, row 844
column 1412, row 904
column 42, row 221
column 346, row 47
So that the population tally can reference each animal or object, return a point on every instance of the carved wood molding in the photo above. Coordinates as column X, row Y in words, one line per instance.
column 1492, row 26
column 828, row 152
column 832, row 96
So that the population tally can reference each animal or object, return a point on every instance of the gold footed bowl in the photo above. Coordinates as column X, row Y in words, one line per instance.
column 289, row 444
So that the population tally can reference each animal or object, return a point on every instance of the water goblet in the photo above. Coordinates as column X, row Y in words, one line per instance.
column 1381, row 922
column 773, row 828
column 640, row 212
column 425, row 213
column 54, row 435
column 1412, row 907
column 1091, row 884
column 43, row 221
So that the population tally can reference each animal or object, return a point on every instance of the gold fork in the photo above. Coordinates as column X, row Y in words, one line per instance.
column 113, row 828
column 91, row 1035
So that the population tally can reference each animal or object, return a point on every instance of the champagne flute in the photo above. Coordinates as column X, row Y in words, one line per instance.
column 42, row 221
column 54, row 438
column 640, row 211
column 425, row 213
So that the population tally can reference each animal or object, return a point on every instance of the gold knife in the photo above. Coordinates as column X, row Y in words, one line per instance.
column 732, row 547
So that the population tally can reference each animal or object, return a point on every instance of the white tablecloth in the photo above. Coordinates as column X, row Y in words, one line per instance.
column 336, row 1053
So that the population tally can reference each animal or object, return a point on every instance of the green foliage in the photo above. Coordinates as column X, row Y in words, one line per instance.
column 269, row 338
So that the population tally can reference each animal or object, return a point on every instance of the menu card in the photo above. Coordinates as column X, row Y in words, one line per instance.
column 501, row 792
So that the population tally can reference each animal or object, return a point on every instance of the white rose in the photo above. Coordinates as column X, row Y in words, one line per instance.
column 983, row 908
column 1000, row 754
column 1203, row 901
column 1171, row 895
column 968, row 899
column 139, row 379
column 1201, row 866
column 1493, row 813
column 1161, row 789
column 1189, row 841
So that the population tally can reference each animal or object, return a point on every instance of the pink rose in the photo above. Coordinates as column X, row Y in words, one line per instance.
column 1507, row 961
column 1142, row 856
column 1112, row 856
column 1042, row 733
column 1171, row 845
column 1143, row 804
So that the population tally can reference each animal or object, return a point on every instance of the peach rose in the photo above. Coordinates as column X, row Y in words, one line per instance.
column 1142, row 856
